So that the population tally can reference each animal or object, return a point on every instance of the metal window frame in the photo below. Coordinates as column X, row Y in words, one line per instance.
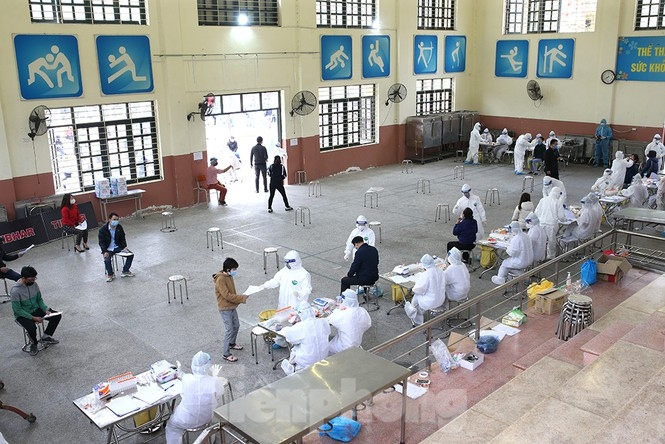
column 660, row 16
column 514, row 17
column 226, row 12
column 536, row 22
column 436, row 15
column 349, row 119
column 359, row 14
column 61, row 8
column 432, row 98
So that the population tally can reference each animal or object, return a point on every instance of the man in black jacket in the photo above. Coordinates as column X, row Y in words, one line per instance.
column 365, row 267
column 112, row 241
column 259, row 159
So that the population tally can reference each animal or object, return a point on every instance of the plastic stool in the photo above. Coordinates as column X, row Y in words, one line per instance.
column 171, row 285
column 367, row 297
column 492, row 192
column 576, row 315
column 64, row 237
column 459, row 155
column 115, row 260
column 529, row 178
column 434, row 312
column 253, row 339
column 266, row 252
column 446, row 213
column 6, row 294
column 371, row 195
column 421, row 186
column 458, row 171
column 376, row 224
column 26, row 338
column 314, row 189
column 407, row 165
column 301, row 177
column 512, row 274
column 214, row 234
column 168, row 222
column 303, row 211
column 464, row 322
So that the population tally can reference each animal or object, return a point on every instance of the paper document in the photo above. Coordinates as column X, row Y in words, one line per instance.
column 29, row 248
column 507, row 329
column 412, row 390
column 82, row 226
column 50, row 315
column 252, row 289
column 123, row 405
column 125, row 253
column 399, row 279
column 173, row 387
column 150, row 394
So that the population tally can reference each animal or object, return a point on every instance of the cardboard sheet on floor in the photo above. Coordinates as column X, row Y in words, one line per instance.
column 412, row 390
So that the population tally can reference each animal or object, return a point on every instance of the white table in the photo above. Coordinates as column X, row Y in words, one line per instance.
column 610, row 205
column 134, row 195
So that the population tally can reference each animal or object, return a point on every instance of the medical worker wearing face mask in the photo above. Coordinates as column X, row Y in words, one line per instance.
column 503, row 143
column 429, row 291
column 538, row 238
column 602, row 147
column 550, row 213
column 656, row 145
column 523, row 144
column 469, row 200
column 309, row 339
column 201, row 393
column 588, row 221
column 474, row 145
column 362, row 229
column 619, row 167
column 637, row 192
column 520, row 252
column 603, row 183
column 549, row 183
column 351, row 321
column 458, row 279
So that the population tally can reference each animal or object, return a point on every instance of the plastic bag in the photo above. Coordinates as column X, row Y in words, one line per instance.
column 588, row 272
column 487, row 256
column 340, row 428
column 537, row 287
column 487, row 344
column 443, row 356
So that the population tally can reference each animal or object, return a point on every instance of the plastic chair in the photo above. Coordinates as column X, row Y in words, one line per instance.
column 214, row 234
column 201, row 187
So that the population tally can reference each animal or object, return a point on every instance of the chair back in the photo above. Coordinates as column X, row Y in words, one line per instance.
column 201, row 181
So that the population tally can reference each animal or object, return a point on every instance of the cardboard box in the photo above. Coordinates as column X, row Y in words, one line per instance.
column 102, row 188
column 469, row 362
column 118, row 186
column 612, row 268
column 461, row 343
column 550, row 301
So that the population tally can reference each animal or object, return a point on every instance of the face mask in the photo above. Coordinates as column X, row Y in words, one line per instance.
column 467, row 194
column 72, row 201
column 29, row 284
column 361, row 227
column 288, row 265
column 114, row 223
column 233, row 272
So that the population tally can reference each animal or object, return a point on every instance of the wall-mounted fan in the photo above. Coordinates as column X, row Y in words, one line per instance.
column 533, row 90
column 38, row 121
column 303, row 103
column 205, row 107
column 396, row 93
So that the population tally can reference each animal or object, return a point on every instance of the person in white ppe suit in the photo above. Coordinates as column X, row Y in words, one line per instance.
column 309, row 339
column 603, row 183
column 550, row 183
column 201, row 393
column 619, row 167
column 429, row 291
column 474, row 145
column 351, row 321
column 656, row 145
column 471, row 201
column 538, row 238
column 637, row 192
column 363, row 230
column 550, row 213
column 486, row 136
column 520, row 252
column 595, row 206
column 503, row 143
column 458, row 279
column 524, row 143
column 552, row 136
column 588, row 221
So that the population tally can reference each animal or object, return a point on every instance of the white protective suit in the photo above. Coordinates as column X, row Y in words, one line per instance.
column 595, row 206
column 472, row 201
column 458, row 279
column 603, row 183
column 588, row 222
column 362, row 229
column 429, row 291
column 538, row 238
column 351, row 321
column 503, row 143
column 524, row 142
column 552, row 136
column 550, row 213
column 619, row 167
column 656, row 145
column 520, row 252
column 549, row 183
column 637, row 192
column 486, row 136
column 309, row 338
column 474, row 144
column 201, row 394
column 294, row 282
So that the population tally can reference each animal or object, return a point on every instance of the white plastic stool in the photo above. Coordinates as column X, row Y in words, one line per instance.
column 529, row 178
column 257, row 332
column 314, row 189
column 376, row 224
column 26, row 338
column 301, row 177
column 421, row 186
column 168, row 222
column 171, row 285
column 371, row 195
column 459, row 155
column 407, row 165
column 115, row 260
column 458, row 171
column 491, row 193
column 446, row 213
column 303, row 211
column 266, row 252
column 214, row 234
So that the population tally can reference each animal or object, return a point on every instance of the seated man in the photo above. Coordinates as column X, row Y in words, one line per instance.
column 365, row 267
column 429, row 291
column 212, row 181
column 29, row 308
column 112, row 241
column 588, row 221
column 309, row 338
column 201, row 393
column 466, row 230
column 538, row 155
column 458, row 280
column 503, row 143
column 520, row 252
column 351, row 322
column 5, row 271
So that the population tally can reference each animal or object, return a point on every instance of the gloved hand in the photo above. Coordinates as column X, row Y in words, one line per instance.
column 215, row 369
column 347, row 255
column 261, row 288
column 297, row 294
column 178, row 370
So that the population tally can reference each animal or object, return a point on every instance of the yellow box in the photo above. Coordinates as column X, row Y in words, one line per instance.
column 397, row 293
column 143, row 417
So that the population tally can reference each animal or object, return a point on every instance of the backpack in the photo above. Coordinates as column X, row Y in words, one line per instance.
column 487, row 256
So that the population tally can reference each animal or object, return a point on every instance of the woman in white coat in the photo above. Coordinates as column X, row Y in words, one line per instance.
column 523, row 144
column 637, row 192
column 520, row 252
column 588, row 222
column 429, row 291
column 351, row 321
column 309, row 338
column 458, row 280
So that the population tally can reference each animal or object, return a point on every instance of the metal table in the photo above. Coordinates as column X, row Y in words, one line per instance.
column 405, row 288
column 610, row 205
column 288, row 409
column 134, row 195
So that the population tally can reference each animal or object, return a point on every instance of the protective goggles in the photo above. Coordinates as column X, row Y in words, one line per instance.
column 289, row 261
column 361, row 222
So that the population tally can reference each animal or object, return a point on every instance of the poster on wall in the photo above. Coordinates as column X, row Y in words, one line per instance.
column 48, row 66
column 125, row 64
column 512, row 58
column 336, row 57
column 641, row 59
column 555, row 58
column 425, row 49
column 376, row 56
column 454, row 53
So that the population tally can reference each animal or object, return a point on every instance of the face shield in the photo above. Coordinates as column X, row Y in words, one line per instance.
column 292, row 260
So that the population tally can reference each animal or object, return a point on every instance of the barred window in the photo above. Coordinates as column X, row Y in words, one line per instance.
column 346, row 116
column 650, row 14
column 436, row 14
column 238, row 12
column 121, row 12
column 548, row 16
column 345, row 13
column 94, row 142
column 434, row 96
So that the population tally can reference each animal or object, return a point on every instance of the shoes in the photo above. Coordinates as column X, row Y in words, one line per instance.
column 110, row 278
column 77, row 249
column 223, row 203
column 49, row 340
column 519, row 173
column 467, row 162
column 257, row 191
column 476, row 163
column 126, row 274
column 269, row 210
column 498, row 280
column 33, row 350
column 86, row 246
column 265, row 191
column 535, row 174
column 276, row 346
column 289, row 209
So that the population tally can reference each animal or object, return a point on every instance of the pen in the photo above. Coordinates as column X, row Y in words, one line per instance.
column 167, row 388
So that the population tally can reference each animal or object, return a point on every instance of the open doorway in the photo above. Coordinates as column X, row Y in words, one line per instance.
column 243, row 117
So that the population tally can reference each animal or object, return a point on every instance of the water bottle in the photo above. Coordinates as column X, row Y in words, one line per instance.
column 569, row 282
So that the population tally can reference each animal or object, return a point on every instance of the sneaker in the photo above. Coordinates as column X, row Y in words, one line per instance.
column 265, row 191
column 110, row 278
column 276, row 346
column 269, row 210
column 33, row 350
column 49, row 340
column 289, row 209
column 127, row 274
column 224, row 204
column 466, row 162
column 519, row 173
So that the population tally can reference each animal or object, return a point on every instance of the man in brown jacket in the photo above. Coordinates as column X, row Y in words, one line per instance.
column 227, row 302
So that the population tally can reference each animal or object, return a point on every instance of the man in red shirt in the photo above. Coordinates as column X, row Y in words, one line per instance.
column 213, row 182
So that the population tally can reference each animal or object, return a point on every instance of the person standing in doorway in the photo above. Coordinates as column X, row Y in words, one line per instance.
column 277, row 174
column 258, row 158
